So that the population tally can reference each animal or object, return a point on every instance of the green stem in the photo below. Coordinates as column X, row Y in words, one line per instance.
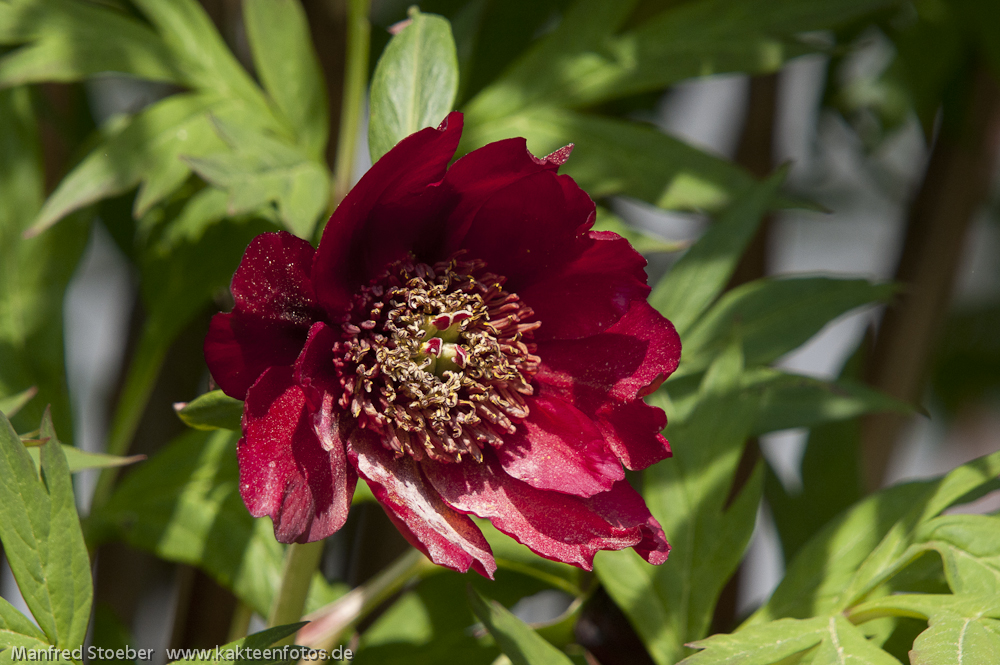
column 142, row 375
column 331, row 622
column 355, row 80
column 301, row 561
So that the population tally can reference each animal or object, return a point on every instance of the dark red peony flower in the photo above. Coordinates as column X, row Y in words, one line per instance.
column 466, row 344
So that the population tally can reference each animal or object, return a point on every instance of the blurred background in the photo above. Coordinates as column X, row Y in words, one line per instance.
column 891, row 135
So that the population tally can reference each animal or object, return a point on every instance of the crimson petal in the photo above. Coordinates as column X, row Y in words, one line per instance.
column 592, row 292
column 448, row 538
column 274, row 308
column 557, row 526
column 385, row 214
column 286, row 473
column 559, row 448
column 528, row 229
column 605, row 374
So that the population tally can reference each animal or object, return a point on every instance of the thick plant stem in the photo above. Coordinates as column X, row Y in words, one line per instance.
column 331, row 622
column 954, row 186
column 355, row 79
column 301, row 562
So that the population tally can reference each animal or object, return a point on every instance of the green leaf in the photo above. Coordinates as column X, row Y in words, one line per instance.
column 259, row 170
column 643, row 242
column 816, row 579
column 289, row 69
column 209, row 64
column 612, row 157
column 237, row 650
column 955, row 639
column 146, row 151
column 213, row 410
column 672, row 605
column 41, row 536
column 67, row 41
column 586, row 60
column 34, row 272
column 775, row 315
column 969, row 546
column 516, row 639
column 11, row 405
column 414, row 84
column 793, row 400
column 15, row 628
column 832, row 641
column 80, row 460
column 701, row 274
column 184, row 505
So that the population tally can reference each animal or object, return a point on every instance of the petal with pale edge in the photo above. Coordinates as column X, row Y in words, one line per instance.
column 608, row 374
column 557, row 526
column 392, row 210
column 559, row 448
column 447, row 537
column 274, row 308
column 285, row 472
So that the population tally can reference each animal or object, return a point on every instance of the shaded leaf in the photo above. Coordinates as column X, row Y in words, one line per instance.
column 515, row 638
column 67, row 41
column 184, row 505
column 642, row 241
column 698, row 278
column 11, row 405
column 213, row 410
column 80, row 460
column 414, row 83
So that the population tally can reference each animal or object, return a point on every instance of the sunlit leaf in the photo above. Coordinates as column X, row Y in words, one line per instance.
column 516, row 639
column 213, row 410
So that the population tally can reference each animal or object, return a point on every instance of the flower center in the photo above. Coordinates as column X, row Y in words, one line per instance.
column 437, row 359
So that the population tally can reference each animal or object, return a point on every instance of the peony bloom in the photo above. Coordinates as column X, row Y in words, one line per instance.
column 462, row 341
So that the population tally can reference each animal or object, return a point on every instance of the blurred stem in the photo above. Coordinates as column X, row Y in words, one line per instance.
column 142, row 375
column 955, row 184
column 356, row 77
column 331, row 622
column 301, row 561
column 240, row 623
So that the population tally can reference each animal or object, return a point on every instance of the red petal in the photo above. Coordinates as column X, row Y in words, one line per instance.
column 274, row 309
column 624, row 507
column 557, row 526
column 447, row 538
column 590, row 293
column 392, row 211
column 527, row 230
column 605, row 374
column 559, row 448
column 314, row 368
column 285, row 473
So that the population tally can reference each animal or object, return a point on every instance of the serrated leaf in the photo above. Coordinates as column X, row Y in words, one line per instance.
column 672, row 605
column 213, row 410
column 41, row 536
column 955, row 640
column 235, row 650
column 613, row 156
column 698, row 278
column 414, row 83
column 67, row 41
column 776, row 316
column 289, row 69
column 184, row 505
column 515, row 638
